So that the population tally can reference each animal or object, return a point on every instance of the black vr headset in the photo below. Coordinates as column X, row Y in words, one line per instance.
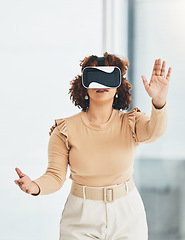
column 102, row 76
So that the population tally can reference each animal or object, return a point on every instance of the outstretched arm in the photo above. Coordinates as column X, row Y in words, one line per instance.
column 148, row 129
column 55, row 176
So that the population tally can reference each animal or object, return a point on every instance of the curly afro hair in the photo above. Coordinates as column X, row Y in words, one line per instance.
column 78, row 91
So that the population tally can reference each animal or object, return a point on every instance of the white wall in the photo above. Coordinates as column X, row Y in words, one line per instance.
column 41, row 45
column 160, row 33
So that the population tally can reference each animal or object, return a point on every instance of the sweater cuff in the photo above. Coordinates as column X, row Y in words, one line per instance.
column 159, row 109
column 36, row 194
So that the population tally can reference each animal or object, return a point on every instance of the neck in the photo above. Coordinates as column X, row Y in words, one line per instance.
column 99, row 113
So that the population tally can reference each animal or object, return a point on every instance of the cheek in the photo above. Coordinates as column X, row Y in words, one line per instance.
column 113, row 92
column 90, row 92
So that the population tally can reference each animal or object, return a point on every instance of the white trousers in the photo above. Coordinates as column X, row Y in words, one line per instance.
column 123, row 219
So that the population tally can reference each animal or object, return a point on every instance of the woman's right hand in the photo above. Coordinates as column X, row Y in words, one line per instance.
column 25, row 183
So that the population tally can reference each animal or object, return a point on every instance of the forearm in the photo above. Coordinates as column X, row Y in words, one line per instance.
column 48, row 183
column 55, row 175
column 150, row 129
column 157, row 124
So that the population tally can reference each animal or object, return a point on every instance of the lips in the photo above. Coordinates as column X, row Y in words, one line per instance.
column 102, row 90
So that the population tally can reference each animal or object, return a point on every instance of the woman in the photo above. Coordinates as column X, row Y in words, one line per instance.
column 99, row 144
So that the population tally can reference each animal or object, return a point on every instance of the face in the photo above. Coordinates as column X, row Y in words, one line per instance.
column 97, row 95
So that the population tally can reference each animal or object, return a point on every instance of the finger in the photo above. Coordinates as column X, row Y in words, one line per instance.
column 163, row 69
column 20, row 184
column 16, row 181
column 23, row 187
column 158, row 67
column 146, row 85
column 154, row 68
column 169, row 73
column 20, row 181
column 19, row 172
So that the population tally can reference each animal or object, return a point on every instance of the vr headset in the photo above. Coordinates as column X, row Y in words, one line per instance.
column 102, row 76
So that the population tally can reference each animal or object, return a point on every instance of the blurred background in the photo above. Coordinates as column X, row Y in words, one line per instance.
column 41, row 45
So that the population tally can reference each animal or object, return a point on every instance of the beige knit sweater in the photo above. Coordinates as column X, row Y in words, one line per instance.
column 98, row 154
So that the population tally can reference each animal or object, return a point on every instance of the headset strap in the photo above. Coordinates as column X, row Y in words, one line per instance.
column 101, row 61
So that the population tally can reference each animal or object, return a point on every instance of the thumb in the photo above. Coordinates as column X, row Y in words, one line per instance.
column 145, row 83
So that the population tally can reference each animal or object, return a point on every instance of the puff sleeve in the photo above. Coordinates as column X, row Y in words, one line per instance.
column 147, row 129
column 58, row 152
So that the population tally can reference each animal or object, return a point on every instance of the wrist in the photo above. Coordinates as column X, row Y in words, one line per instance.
column 158, row 104
column 36, row 189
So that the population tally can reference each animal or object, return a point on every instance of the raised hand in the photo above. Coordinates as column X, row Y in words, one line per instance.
column 157, row 89
column 25, row 183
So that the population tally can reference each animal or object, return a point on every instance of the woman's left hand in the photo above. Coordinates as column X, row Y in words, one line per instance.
column 157, row 89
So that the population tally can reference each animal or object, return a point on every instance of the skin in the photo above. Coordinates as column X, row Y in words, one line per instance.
column 157, row 89
column 25, row 183
column 100, row 105
column 100, row 109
